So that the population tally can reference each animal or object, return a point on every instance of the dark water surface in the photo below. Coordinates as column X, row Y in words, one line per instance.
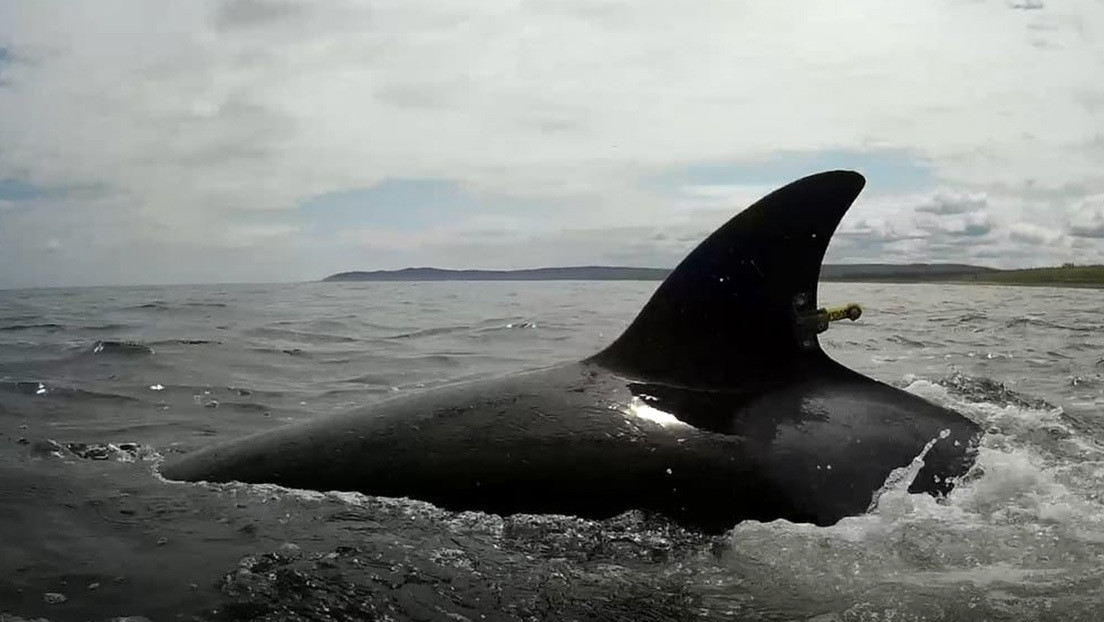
column 98, row 384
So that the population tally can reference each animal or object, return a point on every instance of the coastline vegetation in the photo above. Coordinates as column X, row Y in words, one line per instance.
column 1068, row 274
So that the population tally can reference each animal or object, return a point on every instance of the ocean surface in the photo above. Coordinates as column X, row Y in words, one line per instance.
column 97, row 385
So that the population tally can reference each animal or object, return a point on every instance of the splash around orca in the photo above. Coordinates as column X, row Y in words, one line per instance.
column 715, row 406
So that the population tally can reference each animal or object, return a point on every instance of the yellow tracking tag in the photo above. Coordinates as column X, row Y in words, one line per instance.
column 851, row 311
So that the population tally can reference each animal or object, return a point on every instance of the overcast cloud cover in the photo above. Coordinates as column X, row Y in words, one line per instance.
column 207, row 141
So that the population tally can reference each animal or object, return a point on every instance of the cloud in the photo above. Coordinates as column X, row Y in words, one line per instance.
column 880, row 230
column 5, row 59
column 973, row 224
column 251, row 13
column 888, row 170
column 15, row 190
column 1033, row 234
column 1088, row 218
column 954, row 225
column 944, row 202
column 203, row 124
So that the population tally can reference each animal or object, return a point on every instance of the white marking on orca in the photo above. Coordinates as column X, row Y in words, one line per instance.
column 638, row 408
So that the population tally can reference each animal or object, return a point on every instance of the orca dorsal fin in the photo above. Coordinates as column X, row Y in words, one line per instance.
column 726, row 316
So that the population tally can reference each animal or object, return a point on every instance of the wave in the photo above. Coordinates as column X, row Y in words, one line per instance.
column 53, row 327
column 981, row 389
column 1028, row 320
column 24, row 387
column 300, row 336
column 186, row 342
column 297, row 352
column 430, row 332
column 44, row 325
column 369, row 392
column 120, row 452
column 371, row 379
column 123, row 348
column 46, row 389
column 485, row 327
column 970, row 318
column 161, row 305
column 905, row 341
column 1026, row 518
column 248, row 407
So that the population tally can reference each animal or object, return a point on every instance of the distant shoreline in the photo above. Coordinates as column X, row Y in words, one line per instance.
column 970, row 281
column 1063, row 276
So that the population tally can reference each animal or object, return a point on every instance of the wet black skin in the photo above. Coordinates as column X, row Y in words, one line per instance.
column 566, row 440
column 712, row 408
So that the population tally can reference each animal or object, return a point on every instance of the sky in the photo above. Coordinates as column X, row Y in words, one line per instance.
column 266, row 141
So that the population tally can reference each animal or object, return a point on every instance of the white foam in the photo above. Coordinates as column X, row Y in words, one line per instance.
column 901, row 478
column 1029, row 514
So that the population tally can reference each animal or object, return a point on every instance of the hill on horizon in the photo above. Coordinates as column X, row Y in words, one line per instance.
column 829, row 272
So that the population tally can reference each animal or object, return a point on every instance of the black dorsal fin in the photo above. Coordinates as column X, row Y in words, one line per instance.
column 725, row 317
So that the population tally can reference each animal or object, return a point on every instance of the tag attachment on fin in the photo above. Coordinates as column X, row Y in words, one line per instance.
column 809, row 323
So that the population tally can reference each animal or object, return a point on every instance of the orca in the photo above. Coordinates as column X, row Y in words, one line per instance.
column 716, row 405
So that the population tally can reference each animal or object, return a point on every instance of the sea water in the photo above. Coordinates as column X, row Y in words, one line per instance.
column 97, row 385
